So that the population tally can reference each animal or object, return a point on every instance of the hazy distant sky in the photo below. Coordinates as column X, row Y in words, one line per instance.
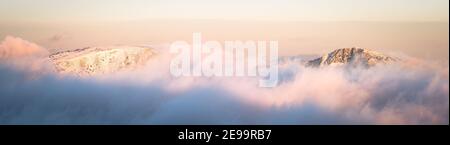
column 305, row 10
column 414, row 27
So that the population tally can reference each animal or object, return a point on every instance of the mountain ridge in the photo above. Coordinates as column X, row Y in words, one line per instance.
column 100, row 60
column 353, row 57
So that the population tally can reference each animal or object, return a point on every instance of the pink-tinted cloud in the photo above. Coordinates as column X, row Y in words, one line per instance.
column 410, row 92
column 24, row 55
column 14, row 47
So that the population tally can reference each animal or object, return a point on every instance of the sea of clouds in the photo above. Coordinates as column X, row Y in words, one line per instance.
column 412, row 91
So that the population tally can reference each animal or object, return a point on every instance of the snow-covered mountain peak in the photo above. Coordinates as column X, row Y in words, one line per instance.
column 100, row 60
column 353, row 57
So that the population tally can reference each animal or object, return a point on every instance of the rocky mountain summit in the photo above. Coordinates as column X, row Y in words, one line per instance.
column 351, row 57
column 100, row 60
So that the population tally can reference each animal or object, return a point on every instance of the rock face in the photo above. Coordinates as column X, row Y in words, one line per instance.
column 351, row 57
column 100, row 60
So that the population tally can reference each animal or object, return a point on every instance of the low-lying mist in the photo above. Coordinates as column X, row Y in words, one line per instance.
column 413, row 91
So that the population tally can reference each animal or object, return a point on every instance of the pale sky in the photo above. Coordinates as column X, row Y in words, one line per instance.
column 292, row 10
column 415, row 27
